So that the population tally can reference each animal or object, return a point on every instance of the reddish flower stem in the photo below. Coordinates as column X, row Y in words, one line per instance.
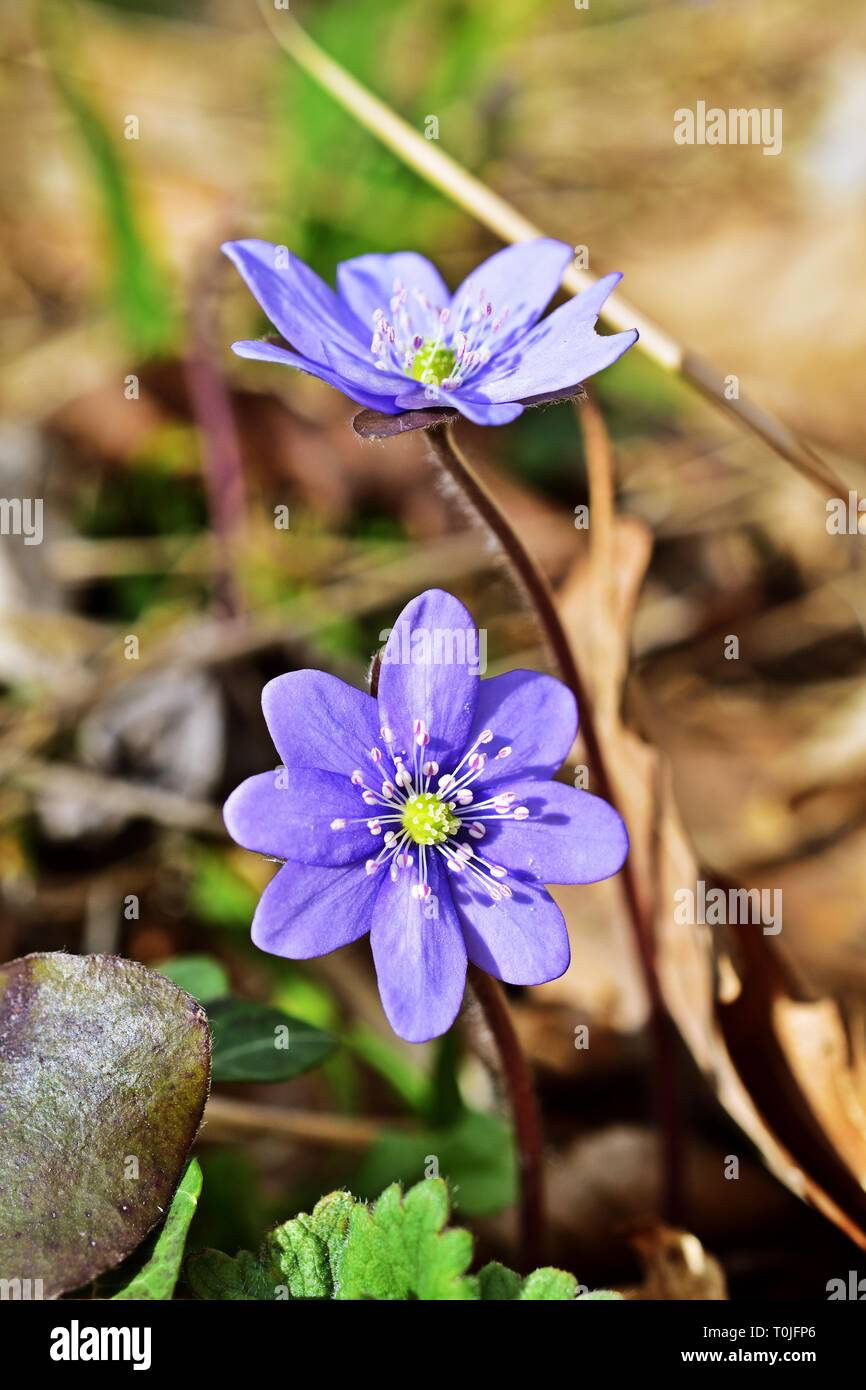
column 541, row 597
column 524, row 1108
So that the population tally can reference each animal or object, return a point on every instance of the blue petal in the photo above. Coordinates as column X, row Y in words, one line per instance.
column 271, row 352
column 306, row 311
column 532, row 714
column 430, row 671
column 476, row 409
column 522, row 940
column 522, row 278
column 570, row 836
column 419, row 953
column 307, row 910
column 558, row 353
column 366, row 283
column 288, row 814
column 317, row 720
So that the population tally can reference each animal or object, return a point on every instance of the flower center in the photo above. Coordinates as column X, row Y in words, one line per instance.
column 432, row 363
column 440, row 347
column 428, row 820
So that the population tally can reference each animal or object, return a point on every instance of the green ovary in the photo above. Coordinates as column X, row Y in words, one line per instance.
column 432, row 365
column 429, row 820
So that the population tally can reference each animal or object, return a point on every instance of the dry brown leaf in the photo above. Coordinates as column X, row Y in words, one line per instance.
column 780, row 1068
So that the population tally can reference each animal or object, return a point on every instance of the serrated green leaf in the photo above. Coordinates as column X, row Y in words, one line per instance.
column 548, row 1286
column 203, row 977
column 253, row 1042
column 156, row 1279
column 397, row 1250
column 308, row 1250
column 400, row 1250
column 213, row 1275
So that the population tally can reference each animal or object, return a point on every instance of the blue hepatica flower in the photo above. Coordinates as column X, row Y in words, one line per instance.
column 426, row 817
column 394, row 339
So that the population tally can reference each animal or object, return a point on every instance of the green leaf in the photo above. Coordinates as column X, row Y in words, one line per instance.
column 497, row 1281
column 156, row 1280
column 548, row 1286
column 253, row 1042
column 203, row 977
column 140, row 291
column 213, row 1275
column 475, row 1155
column 308, row 1250
column 219, row 894
column 104, row 1071
column 397, row 1250
column 404, row 1077
column 300, row 1259
column 400, row 1250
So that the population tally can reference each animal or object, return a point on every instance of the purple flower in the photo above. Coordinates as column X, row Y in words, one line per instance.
column 394, row 339
column 427, row 818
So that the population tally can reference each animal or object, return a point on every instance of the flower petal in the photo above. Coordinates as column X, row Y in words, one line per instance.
column 306, row 311
column 569, row 837
column 317, row 720
column 522, row 940
column 288, row 813
column 271, row 352
column 366, row 283
column 522, row 278
column 534, row 715
column 307, row 911
column 558, row 353
column 419, row 954
column 479, row 411
column 430, row 671
column 362, row 371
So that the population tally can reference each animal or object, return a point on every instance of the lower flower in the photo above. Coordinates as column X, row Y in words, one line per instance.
column 427, row 817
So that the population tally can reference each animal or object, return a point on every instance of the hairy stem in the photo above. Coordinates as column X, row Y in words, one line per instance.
column 527, row 1129
column 541, row 597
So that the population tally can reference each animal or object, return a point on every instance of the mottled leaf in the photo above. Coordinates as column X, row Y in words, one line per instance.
column 156, row 1279
column 104, row 1071
column 252, row 1042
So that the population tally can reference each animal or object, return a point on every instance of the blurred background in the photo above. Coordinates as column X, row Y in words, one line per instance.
column 210, row 523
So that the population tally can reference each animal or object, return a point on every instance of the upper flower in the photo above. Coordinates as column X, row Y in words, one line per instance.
column 393, row 338
column 427, row 817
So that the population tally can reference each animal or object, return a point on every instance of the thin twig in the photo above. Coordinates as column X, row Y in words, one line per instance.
column 542, row 599
column 242, row 1118
column 524, row 1108
column 221, row 450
